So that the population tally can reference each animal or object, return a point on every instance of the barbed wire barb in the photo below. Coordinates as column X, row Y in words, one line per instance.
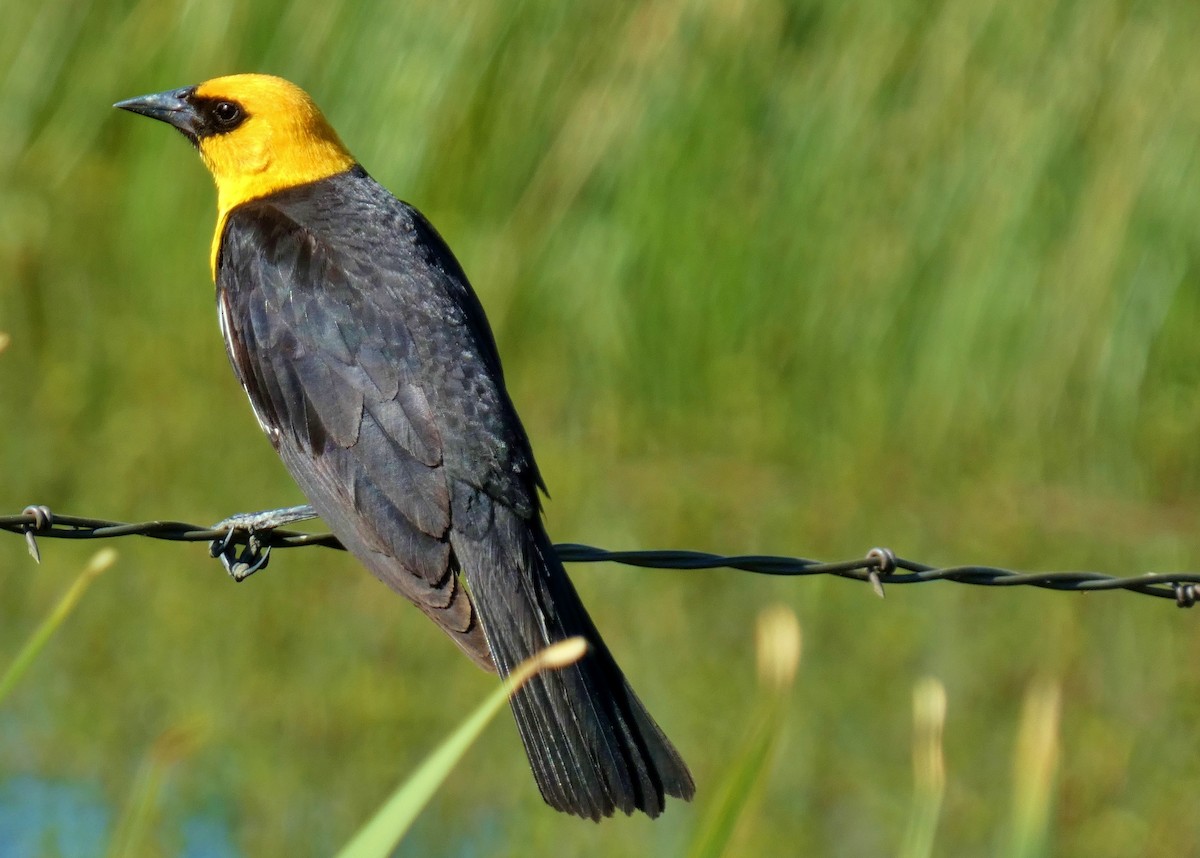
column 1183, row 588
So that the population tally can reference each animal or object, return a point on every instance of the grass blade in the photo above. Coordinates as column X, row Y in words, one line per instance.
column 141, row 808
column 1035, row 769
column 100, row 561
column 383, row 831
column 929, row 768
column 778, row 648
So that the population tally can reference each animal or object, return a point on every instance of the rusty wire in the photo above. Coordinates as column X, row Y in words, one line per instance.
column 878, row 566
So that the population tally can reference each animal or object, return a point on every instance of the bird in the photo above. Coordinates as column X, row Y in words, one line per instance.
column 372, row 369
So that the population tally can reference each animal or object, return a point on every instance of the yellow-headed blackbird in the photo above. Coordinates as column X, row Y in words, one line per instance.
column 371, row 368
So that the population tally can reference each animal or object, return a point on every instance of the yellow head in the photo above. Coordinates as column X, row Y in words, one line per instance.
column 257, row 134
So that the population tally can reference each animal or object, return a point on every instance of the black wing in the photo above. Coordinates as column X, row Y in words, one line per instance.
column 370, row 367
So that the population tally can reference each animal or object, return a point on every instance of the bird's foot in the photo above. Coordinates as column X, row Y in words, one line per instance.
column 243, row 560
column 240, row 561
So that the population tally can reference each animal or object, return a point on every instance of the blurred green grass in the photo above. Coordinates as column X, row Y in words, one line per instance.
column 790, row 277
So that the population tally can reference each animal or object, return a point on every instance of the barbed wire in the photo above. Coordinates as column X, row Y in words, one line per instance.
column 878, row 566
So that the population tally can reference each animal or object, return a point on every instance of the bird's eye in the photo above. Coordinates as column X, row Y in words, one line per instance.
column 227, row 113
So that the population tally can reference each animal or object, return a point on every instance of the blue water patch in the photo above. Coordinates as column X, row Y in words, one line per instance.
column 42, row 817
column 475, row 836
column 72, row 820
column 207, row 836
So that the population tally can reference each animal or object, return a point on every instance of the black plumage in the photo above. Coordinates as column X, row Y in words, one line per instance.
column 371, row 366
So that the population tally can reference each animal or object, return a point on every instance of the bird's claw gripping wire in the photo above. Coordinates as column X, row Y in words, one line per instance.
column 885, row 564
column 42, row 519
column 254, row 555
column 240, row 561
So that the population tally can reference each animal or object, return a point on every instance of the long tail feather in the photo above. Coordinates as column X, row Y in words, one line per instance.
column 593, row 747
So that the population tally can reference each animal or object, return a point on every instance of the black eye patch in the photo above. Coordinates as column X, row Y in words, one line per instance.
column 217, row 115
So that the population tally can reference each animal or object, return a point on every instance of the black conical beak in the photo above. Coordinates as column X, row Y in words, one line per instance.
column 173, row 107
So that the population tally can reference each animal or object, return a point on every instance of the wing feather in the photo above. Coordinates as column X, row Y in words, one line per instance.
column 369, row 362
column 340, row 384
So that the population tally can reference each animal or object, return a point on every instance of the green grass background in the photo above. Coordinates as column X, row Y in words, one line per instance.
column 790, row 277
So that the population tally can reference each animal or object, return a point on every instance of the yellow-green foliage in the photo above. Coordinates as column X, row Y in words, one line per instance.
column 797, row 277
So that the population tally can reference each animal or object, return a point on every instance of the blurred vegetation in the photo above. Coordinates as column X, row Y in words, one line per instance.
column 797, row 277
column 381, row 834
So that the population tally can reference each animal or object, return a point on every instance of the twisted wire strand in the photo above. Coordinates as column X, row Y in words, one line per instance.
column 879, row 566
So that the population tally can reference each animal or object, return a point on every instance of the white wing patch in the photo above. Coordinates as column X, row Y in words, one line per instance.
column 271, row 432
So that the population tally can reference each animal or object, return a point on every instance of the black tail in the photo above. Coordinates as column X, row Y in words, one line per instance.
column 592, row 745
